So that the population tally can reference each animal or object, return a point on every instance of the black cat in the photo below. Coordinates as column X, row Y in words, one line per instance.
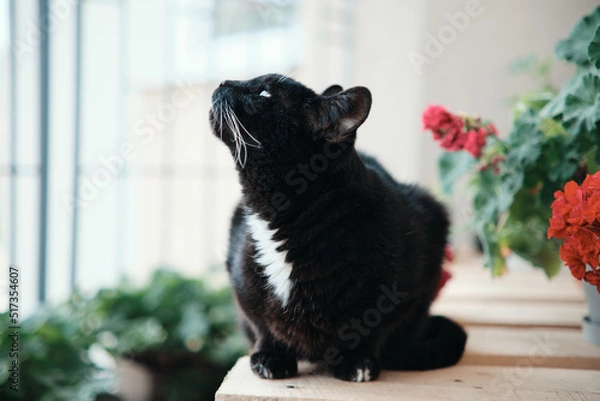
column 331, row 260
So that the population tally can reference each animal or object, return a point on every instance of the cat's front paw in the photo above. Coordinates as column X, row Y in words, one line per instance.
column 358, row 370
column 270, row 365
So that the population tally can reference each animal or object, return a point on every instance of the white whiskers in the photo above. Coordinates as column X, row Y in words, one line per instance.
column 227, row 115
column 290, row 73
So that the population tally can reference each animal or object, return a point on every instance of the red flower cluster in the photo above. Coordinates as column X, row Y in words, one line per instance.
column 456, row 133
column 448, row 254
column 446, row 275
column 444, row 278
column 576, row 220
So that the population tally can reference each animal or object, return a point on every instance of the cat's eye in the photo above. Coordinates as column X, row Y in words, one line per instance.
column 265, row 93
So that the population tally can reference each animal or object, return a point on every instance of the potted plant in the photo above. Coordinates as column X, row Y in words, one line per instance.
column 181, row 330
column 576, row 221
column 47, row 358
column 555, row 138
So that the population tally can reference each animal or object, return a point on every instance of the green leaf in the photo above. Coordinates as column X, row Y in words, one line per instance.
column 453, row 166
column 559, row 161
column 492, row 255
column 495, row 193
column 548, row 258
column 524, row 64
column 525, row 206
column 556, row 107
column 575, row 47
column 523, row 240
column 532, row 65
column 525, row 232
column 592, row 160
column 594, row 50
column 582, row 105
column 552, row 128
column 512, row 182
column 486, row 205
column 525, row 141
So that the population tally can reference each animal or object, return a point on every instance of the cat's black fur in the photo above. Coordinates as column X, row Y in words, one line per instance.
column 365, row 251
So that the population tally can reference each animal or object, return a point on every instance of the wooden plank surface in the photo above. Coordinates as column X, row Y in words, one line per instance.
column 520, row 298
column 516, row 286
column 474, row 282
column 459, row 383
column 525, row 343
column 503, row 313
column 501, row 346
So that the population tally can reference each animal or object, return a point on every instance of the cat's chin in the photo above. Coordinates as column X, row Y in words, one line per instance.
column 213, row 121
column 217, row 128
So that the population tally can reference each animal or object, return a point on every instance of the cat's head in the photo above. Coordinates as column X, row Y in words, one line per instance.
column 273, row 118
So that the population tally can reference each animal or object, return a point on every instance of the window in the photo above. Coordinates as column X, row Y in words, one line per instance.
column 132, row 181
column 239, row 16
column 237, row 38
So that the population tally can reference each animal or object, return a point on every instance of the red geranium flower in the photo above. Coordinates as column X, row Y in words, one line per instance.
column 436, row 118
column 455, row 132
column 576, row 220
column 476, row 141
column 453, row 138
column 573, row 260
column 558, row 226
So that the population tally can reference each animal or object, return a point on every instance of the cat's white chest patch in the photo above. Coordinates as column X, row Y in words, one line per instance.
column 276, row 268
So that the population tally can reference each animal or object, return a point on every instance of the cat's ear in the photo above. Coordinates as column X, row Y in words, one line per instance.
column 338, row 116
column 332, row 90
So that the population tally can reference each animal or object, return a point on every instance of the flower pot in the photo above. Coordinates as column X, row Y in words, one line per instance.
column 591, row 323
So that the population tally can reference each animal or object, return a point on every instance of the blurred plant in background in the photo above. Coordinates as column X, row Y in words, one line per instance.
column 53, row 360
column 555, row 138
column 183, row 331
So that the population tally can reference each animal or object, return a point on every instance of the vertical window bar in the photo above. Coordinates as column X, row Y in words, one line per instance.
column 210, row 195
column 121, row 234
column 12, row 31
column 77, row 145
column 44, row 21
column 166, row 165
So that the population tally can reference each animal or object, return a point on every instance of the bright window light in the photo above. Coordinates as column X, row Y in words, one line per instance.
column 4, row 24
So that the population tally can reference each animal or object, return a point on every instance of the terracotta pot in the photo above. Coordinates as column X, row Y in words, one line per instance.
column 591, row 323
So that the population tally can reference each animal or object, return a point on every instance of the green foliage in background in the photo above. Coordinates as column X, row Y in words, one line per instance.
column 555, row 138
column 53, row 360
column 177, row 327
column 171, row 313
